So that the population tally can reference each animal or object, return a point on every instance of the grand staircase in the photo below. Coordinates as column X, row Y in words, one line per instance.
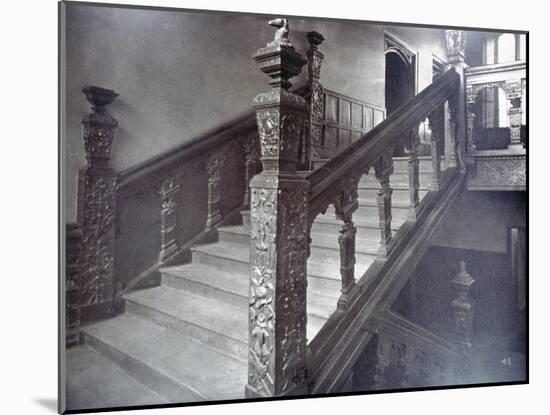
column 187, row 339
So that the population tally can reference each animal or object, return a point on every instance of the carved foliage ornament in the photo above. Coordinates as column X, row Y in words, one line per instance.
column 98, row 239
column 277, row 282
column 456, row 42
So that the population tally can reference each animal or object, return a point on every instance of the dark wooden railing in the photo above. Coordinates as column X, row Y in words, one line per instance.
column 285, row 202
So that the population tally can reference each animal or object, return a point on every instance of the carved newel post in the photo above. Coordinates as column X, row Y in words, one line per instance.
column 97, row 183
column 315, row 59
column 456, row 43
column 279, row 231
column 463, row 312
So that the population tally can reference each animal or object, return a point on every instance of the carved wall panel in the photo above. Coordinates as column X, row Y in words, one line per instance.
column 497, row 173
column 72, row 272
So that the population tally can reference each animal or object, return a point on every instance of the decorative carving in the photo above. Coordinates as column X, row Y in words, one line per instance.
column 214, row 167
column 278, row 59
column 99, row 126
column 279, row 238
column 316, row 110
column 168, row 246
column 251, row 146
column 498, row 172
column 72, row 272
column 463, row 314
column 281, row 34
column 383, row 171
column 456, row 42
column 97, row 198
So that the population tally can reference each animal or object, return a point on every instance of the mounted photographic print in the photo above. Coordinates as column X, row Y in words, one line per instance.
column 259, row 206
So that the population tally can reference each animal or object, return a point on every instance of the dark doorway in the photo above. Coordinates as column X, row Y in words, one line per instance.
column 400, row 79
column 399, row 85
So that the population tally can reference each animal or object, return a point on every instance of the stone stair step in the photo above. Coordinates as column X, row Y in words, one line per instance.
column 172, row 365
column 367, row 228
column 223, row 255
column 399, row 195
column 206, row 320
column 223, row 285
column 93, row 382
column 231, row 288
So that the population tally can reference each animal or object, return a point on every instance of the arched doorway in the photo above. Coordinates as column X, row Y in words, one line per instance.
column 400, row 78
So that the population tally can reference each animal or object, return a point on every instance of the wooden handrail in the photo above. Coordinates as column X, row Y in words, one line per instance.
column 372, row 145
column 212, row 139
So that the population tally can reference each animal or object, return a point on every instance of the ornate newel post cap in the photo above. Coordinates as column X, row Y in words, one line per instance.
column 463, row 278
column 315, row 39
column 456, row 44
column 99, row 97
column 99, row 126
column 278, row 59
column 280, row 113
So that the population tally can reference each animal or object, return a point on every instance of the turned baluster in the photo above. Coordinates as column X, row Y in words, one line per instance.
column 437, row 127
column 383, row 171
column 414, row 175
column 97, row 186
column 345, row 206
column 279, row 231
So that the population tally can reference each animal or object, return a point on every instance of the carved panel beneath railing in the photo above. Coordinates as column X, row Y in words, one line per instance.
column 490, row 170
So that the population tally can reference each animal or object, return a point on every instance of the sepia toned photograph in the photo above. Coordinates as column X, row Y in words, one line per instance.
column 276, row 206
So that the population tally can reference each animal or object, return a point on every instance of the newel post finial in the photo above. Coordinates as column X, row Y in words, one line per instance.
column 315, row 131
column 278, row 232
column 97, row 185
column 463, row 314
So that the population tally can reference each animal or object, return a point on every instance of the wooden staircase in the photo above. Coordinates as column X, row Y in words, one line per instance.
column 187, row 339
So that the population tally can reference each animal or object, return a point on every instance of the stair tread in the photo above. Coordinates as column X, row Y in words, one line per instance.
column 209, row 313
column 210, row 373
column 359, row 221
column 93, row 381
column 238, row 284
column 233, row 282
column 373, row 203
column 238, row 252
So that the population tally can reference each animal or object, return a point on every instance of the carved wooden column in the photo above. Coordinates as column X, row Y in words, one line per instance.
column 315, row 133
column 438, row 130
column 214, row 166
column 470, row 118
column 463, row 309
column 383, row 171
column 414, row 175
column 72, row 272
column 97, row 185
column 251, row 162
column 456, row 43
column 514, row 96
column 346, row 204
column 168, row 246
column 279, row 231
